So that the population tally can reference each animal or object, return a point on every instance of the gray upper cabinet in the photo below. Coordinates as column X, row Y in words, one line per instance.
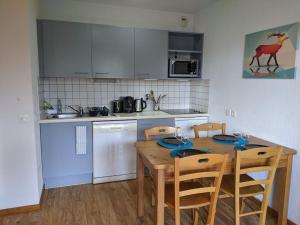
column 40, row 46
column 113, row 52
column 151, row 54
column 66, row 49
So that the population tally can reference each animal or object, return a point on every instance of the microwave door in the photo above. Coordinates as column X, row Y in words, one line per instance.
column 182, row 67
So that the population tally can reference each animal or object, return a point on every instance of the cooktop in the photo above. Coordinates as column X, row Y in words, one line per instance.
column 181, row 111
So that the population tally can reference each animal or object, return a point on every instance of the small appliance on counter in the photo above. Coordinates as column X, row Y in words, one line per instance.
column 128, row 104
column 117, row 106
column 139, row 105
column 104, row 111
column 96, row 111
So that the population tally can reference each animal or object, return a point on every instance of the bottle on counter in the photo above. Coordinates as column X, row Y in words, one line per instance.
column 59, row 106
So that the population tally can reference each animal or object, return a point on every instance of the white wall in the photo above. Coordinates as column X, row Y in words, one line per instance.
column 77, row 11
column 267, row 108
column 20, row 171
column 33, row 13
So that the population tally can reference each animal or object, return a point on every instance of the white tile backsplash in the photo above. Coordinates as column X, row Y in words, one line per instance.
column 89, row 92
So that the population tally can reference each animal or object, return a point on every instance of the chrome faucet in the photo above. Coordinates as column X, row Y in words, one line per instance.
column 79, row 110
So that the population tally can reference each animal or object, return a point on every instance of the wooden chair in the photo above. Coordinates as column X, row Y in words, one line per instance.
column 158, row 131
column 162, row 130
column 209, row 127
column 188, row 192
column 241, row 185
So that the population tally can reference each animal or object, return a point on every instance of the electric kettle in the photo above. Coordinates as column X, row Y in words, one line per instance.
column 139, row 105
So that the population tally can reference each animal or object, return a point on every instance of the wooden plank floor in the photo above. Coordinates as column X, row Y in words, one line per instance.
column 108, row 204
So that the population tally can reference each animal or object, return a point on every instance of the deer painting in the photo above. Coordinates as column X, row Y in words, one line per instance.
column 270, row 49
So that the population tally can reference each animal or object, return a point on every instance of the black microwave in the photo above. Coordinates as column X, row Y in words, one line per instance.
column 183, row 68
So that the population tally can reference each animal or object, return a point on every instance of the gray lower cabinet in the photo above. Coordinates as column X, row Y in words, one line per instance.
column 113, row 52
column 62, row 166
column 151, row 54
column 66, row 48
column 148, row 123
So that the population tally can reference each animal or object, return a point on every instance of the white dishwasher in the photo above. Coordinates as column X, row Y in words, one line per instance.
column 114, row 154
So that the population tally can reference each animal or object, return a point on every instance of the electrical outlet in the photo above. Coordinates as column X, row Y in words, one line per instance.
column 233, row 113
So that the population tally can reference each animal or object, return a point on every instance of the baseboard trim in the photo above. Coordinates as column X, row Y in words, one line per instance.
column 17, row 210
column 272, row 211
column 69, row 180
column 99, row 180
column 22, row 209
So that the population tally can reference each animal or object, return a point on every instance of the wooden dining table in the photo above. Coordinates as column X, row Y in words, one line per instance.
column 160, row 164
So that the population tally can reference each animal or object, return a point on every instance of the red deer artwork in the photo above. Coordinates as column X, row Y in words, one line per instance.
column 270, row 49
column 271, row 53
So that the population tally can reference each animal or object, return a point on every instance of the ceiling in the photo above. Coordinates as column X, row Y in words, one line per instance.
column 184, row 6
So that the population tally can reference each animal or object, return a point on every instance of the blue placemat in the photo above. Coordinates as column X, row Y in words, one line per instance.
column 174, row 152
column 186, row 145
column 224, row 142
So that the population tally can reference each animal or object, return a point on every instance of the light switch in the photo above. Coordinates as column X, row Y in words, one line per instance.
column 24, row 118
column 233, row 113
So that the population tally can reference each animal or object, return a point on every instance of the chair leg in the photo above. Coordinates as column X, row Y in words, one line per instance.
column 152, row 195
column 264, row 208
column 196, row 216
column 177, row 216
column 242, row 205
column 262, row 218
column 237, row 210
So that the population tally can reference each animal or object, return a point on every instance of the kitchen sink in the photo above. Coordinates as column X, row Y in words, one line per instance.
column 66, row 115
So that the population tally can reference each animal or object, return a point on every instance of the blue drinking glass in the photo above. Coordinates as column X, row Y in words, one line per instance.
column 240, row 142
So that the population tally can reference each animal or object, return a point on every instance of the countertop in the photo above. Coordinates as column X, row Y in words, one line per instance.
column 124, row 116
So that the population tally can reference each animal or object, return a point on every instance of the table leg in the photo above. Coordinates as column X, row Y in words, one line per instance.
column 285, row 192
column 159, row 180
column 140, row 186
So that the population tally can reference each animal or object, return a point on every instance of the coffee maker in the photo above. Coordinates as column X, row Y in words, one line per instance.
column 117, row 106
column 128, row 104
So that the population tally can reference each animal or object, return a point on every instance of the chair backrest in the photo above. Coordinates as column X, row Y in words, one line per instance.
column 161, row 130
column 197, row 167
column 209, row 127
column 252, row 161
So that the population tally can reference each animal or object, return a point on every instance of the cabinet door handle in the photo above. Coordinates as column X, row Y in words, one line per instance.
column 102, row 73
column 116, row 129
column 78, row 73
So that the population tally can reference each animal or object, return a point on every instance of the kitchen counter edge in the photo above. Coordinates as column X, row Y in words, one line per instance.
column 116, row 118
